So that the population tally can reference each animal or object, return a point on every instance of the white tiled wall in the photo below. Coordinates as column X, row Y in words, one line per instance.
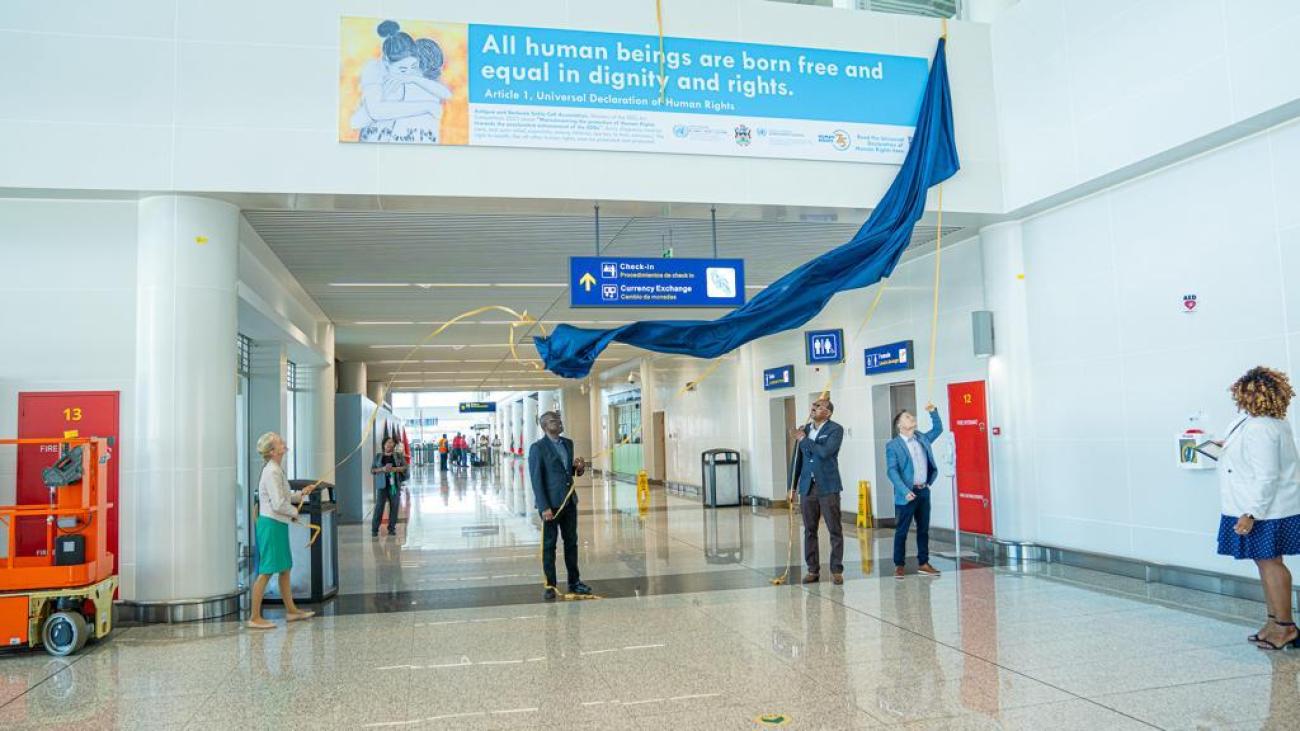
column 1085, row 88
column 1117, row 366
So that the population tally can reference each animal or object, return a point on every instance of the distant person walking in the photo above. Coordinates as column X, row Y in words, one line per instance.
column 1260, row 494
column 389, row 471
column 442, row 453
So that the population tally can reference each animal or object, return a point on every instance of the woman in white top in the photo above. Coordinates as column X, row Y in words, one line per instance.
column 275, row 513
column 1260, row 491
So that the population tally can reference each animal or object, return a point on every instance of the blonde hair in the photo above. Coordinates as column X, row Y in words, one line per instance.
column 1263, row 392
column 266, row 442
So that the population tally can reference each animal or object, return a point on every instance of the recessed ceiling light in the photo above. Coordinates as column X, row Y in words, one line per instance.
column 369, row 284
column 380, row 322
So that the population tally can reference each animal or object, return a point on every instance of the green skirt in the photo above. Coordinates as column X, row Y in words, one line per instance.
column 273, row 551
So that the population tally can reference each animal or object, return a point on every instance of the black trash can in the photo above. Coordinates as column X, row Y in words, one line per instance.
column 315, row 574
column 720, row 470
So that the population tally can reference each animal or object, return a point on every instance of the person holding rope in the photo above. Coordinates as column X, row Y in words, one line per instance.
column 912, row 471
column 819, row 486
column 275, row 506
column 551, row 468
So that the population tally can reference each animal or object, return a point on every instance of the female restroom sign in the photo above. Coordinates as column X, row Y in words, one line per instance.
column 888, row 358
column 824, row 346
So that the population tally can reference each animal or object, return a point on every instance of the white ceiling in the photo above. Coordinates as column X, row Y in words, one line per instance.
column 429, row 253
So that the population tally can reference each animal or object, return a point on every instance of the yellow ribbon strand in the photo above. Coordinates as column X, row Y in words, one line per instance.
column 663, row 80
column 871, row 311
column 934, row 315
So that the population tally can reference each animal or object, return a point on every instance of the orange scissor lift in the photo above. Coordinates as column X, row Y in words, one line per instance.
column 56, row 601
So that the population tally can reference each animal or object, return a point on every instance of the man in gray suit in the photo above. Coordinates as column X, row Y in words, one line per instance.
column 819, row 487
column 552, row 467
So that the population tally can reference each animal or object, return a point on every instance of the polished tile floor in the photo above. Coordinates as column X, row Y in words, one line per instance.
column 443, row 626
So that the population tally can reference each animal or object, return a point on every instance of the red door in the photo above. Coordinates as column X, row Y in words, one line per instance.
column 968, row 416
column 52, row 414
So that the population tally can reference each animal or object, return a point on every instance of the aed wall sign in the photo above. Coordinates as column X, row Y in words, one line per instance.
column 599, row 281
column 889, row 358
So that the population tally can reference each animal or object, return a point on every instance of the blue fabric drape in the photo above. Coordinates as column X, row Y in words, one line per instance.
column 797, row 297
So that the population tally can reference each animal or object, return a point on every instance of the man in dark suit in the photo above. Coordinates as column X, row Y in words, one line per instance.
column 911, row 469
column 819, row 487
column 552, row 467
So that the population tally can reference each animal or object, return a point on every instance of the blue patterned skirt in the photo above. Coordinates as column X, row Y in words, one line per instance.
column 1268, row 539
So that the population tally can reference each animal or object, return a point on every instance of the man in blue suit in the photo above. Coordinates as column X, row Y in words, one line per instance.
column 552, row 467
column 912, row 471
column 819, row 487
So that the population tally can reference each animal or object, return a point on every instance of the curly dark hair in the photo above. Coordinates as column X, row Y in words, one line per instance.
column 1263, row 392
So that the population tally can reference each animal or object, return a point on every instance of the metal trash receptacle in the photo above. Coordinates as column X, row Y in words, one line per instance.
column 720, row 470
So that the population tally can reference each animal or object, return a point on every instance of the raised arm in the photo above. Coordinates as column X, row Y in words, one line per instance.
column 936, row 425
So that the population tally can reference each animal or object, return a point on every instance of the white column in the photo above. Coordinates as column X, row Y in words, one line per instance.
column 183, row 494
column 1009, row 404
column 316, row 425
column 601, row 458
column 352, row 377
column 532, row 431
column 268, row 397
column 516, row 424
column 577, row 420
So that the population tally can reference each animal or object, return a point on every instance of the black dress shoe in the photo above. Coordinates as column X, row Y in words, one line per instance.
column 580, row 588
column 549, row 595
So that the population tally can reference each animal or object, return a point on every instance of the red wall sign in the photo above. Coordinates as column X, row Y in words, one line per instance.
column 968, row 415
column 51, row 414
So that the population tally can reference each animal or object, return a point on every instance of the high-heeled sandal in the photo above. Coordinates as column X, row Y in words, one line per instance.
column 1255, row 638
column 1264, row 644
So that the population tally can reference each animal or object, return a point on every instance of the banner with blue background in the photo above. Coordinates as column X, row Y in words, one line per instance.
column 539, row 87
column 426, row 82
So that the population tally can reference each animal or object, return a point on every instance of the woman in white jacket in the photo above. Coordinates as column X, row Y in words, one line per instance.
column 1260, row 490
column 275, row 512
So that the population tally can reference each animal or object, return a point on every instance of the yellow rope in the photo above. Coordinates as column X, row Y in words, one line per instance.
column 663, row 80
column 830, row 377
column 934, row 316
column 789, row 542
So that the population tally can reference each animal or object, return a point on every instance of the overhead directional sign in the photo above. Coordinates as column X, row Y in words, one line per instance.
column 779, row 377
column 889, row 358
column 598, row 281
column 477, row 407
column 824, row 346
